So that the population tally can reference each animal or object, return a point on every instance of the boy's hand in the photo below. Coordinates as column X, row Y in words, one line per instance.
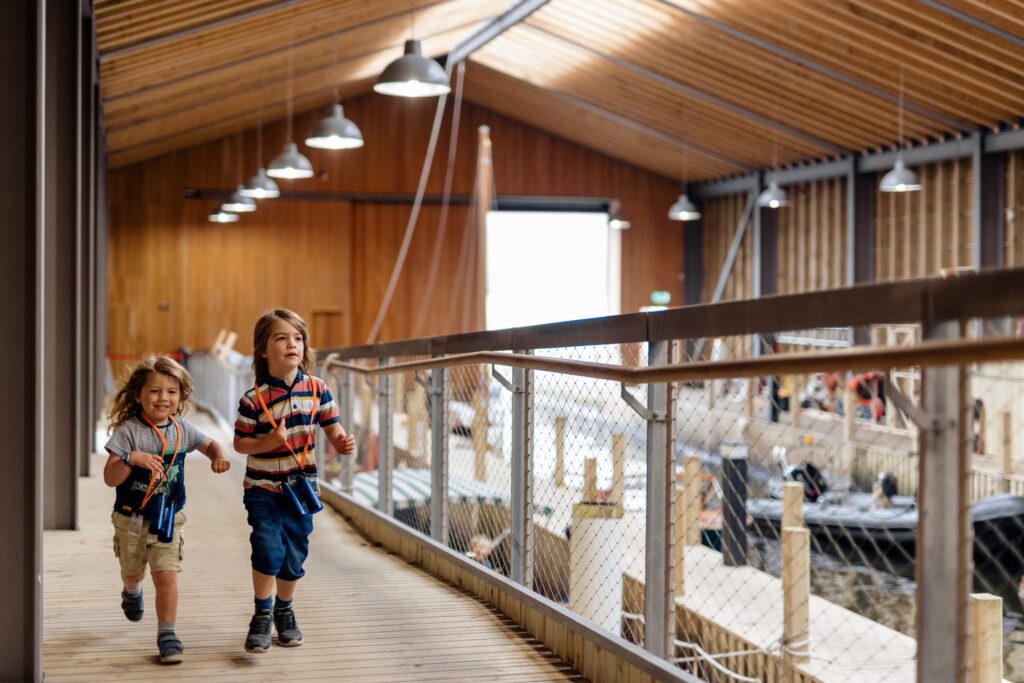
column 154, row 463
column 220, row 465
column 346, row 445
column 276, row 438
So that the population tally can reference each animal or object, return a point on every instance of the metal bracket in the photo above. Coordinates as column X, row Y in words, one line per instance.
column 922, row 419
column 425, row 383
column 502, row 380
column 638, row 407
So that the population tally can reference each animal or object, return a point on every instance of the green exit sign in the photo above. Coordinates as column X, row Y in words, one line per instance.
column 660, row 297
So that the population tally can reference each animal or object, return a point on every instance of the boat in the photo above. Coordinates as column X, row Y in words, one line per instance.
column 885, row 522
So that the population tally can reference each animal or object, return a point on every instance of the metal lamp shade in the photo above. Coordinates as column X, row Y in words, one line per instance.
column 335, row 132
column 239, row 203
column 413, row 75
column 773, row 197
column 899, row 179
column 223, row 217
column 261, row 186
column 683, row 210
column 290, row 164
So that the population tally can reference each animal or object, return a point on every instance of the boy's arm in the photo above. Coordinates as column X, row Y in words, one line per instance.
column 115, row 471
column 249, row 445
column 341, row 441
column 212, row 450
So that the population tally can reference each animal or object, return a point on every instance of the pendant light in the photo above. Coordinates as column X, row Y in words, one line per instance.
column 223, row 217
column 260, row 185
column 683, row 209
column 334, row 130
column 773, row 197
column 239, row 203
column 413, row 75
column 900, row 178
column 290, row 163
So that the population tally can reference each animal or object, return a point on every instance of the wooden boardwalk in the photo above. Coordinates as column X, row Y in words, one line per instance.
column 366, row 615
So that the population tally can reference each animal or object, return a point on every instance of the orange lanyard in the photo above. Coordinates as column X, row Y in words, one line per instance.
column 163, row 451
column 309, row 432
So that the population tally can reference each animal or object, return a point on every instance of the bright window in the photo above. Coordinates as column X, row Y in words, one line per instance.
column 549, row 267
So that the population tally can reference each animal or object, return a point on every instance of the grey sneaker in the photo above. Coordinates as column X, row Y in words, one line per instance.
column 258, row 640
column 288, row 633
column 132, row 605
column 171, row 649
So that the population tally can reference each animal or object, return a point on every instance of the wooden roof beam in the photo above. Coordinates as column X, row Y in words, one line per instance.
column 954, row 124
column 973, row 21
column 697, row 93
column 200, row 28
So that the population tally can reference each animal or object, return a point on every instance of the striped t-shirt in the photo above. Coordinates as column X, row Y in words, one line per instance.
column 293, row 404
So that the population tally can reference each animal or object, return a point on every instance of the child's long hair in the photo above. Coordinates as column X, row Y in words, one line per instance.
column 126, row 403
column 261, row 337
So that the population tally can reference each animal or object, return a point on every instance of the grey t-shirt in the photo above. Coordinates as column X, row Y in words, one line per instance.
column 136, row 435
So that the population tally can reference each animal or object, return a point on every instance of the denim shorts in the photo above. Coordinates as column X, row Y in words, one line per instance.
column 279, row 538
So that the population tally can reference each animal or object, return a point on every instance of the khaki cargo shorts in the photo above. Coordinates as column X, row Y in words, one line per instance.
column 135, row 553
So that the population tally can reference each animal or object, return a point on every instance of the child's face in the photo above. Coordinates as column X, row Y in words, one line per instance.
column 285, row 349
column 159, row 397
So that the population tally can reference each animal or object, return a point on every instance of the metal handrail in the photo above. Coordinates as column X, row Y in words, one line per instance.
column 928, row 353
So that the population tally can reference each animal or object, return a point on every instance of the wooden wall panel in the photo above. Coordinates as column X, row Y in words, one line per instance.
column 325, row 255
column 812, row 244
column 920, row 233
column 1014, row 245
column 721, row 218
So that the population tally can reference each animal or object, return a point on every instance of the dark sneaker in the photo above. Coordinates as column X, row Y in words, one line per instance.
column 258, row 640
column 132, row 606
column 288, row 633
column 171, row 649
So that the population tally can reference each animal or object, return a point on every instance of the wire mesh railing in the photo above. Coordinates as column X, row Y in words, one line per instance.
column 741, row 504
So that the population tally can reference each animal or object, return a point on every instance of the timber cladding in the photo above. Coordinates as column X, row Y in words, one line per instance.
column 175, row 279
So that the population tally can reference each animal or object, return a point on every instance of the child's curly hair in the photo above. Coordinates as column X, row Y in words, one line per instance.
column 261, row 337
column 126, row 402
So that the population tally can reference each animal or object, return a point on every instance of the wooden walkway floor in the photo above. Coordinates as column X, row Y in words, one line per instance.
column 366, row 615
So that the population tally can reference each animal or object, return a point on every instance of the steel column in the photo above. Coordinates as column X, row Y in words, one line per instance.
column 988, row 218
column 944, row 531
column 659, row 586
column 522, row 476
column 385, row 447
column 438, row 398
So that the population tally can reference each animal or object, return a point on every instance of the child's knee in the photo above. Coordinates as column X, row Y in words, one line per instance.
column 267, row 549
column 165, row 579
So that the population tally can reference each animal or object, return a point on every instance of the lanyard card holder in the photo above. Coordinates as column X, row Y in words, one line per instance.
column 293, row 500
column 308, row 493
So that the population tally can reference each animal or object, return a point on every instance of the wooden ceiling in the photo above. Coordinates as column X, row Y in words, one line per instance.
column 720, row 86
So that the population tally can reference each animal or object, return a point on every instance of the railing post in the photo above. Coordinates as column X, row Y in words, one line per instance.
column 522, row 476
column 345, row 409
column 1006, row 423
column 986, row 629
column 944, row 532
column 438, row 456
column 385, row 448
column 559, row 475
column 659, row 602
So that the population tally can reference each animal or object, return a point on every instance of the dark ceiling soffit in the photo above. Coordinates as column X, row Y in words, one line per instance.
column 492, row 30
column 947, row 121
column 973, row 21
column 501, row 203
column 697, row 93
column 991, row 143
column 193, row 30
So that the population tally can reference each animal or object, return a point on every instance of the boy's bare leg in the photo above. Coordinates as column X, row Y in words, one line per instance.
column 166, row 583
column 285, row 589
column 262, row 584
column 132, row 582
